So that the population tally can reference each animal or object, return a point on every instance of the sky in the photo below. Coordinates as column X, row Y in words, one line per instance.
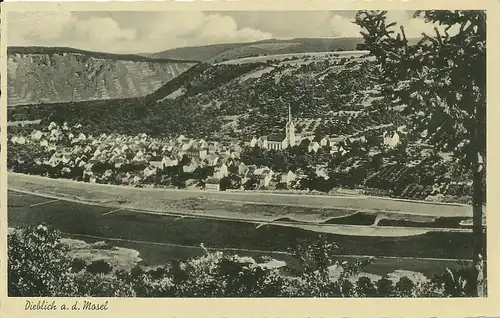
column 147, row 32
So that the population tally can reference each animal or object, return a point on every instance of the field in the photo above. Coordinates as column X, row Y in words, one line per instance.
column 281, row 57
column 159, row 238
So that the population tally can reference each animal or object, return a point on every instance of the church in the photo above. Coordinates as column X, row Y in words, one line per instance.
column 279, row 141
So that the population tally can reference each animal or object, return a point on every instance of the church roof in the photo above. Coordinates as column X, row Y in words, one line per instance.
column 276, row 137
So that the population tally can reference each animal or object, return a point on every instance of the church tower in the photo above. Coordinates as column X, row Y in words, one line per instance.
column 290, row 129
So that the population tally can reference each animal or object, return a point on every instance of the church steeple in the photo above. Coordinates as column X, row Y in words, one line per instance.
column 290, row 129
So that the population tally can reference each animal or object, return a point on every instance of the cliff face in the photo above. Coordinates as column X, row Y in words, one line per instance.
column 60, row 77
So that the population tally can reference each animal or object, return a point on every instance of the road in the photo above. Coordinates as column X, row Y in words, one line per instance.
column 264, row 206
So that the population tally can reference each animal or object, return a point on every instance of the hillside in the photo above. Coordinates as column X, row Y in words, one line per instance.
column 59, row 75
column 229, row 51
column 333, row 96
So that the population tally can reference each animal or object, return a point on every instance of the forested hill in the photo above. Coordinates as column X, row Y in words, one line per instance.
column 60, row 75
column 230, row 51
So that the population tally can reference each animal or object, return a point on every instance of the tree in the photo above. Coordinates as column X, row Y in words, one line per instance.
column 99, row 267
column 38, row 264
column 441, row 82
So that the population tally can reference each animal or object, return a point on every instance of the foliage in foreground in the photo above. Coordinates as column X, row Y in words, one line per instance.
column 441, row 84
column 39, row 265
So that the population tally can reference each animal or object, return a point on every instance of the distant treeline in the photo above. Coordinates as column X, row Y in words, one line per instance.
column 112, row 56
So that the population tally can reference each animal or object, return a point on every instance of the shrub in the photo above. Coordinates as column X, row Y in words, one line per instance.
column 99, row 267
column 77, row 265
column 38, row 264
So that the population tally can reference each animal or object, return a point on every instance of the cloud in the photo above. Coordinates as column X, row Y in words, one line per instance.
column 223, row 28
column 141, row 31
column 286, row 24
column 103, row 29
column 26, row 25
column 343, row 27
column 198, row 28
column 63, row 28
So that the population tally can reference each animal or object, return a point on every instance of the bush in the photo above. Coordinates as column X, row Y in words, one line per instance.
column 99, row 267
column 38, row 265
column 77, row 265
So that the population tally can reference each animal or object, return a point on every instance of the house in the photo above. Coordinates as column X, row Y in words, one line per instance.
column 235, row 154
column 181, row 138
column 157, row 164
column 265, row 179
column 187, row 145
column 324, row 142
column 242, row 169
column 149, row 171
column 342, row 150
column 167, row 148
column 258, row 171
column 221, row 171
column 288, row 177
column 203, row 154
column 169, row 162
column 391, row 141
column 314, row 146
column 212, row 184
column 214, row 160
column 254, row 142
column 189, row 168
column 36, row 136
column 203, row 144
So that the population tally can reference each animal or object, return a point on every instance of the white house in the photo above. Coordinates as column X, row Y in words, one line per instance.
column 221, row 171
column 203, row 154
column 169, row 162
column 254, row 142
column 212, row 184
column 314, row 146
column 324, row 142
column 265, row 178
column 242, row 169
column 288, row 177
column 391, row 141
column 157, row 164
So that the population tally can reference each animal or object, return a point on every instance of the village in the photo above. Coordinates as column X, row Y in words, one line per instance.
column 62, row 151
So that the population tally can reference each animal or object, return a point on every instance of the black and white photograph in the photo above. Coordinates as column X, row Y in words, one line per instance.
column 246, row 154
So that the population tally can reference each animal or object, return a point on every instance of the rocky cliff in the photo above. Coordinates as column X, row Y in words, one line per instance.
column 59, row 76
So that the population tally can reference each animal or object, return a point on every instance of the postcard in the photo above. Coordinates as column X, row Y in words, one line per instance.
column 237, row 159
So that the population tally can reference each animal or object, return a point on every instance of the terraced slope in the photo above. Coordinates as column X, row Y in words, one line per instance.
column 229, row 51
column 53, row 75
